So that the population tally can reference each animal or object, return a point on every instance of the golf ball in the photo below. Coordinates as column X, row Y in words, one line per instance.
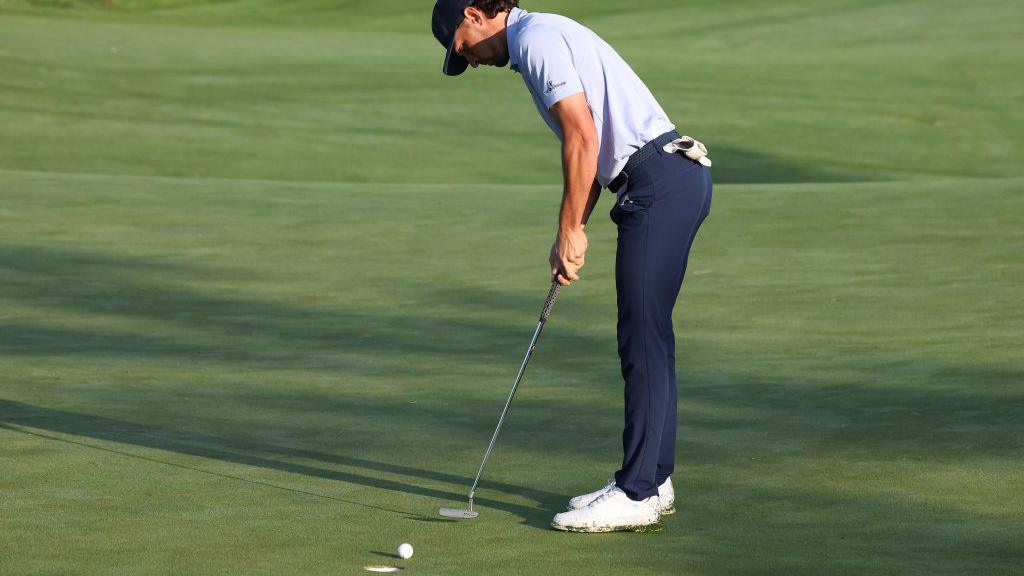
column 405, row 550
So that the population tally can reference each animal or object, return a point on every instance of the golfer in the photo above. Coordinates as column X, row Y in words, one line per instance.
column 614, row 135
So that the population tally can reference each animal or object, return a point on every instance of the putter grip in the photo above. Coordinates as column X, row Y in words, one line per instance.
column 550, row 302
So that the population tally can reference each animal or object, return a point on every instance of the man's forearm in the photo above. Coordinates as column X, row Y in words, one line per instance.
column 579, row 169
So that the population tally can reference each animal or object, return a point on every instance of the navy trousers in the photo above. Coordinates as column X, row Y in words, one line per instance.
column 665, row 201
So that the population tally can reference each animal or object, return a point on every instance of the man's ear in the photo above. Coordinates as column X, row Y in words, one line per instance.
column 474, row 14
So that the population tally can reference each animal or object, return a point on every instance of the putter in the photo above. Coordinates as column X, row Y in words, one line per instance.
column 548, row 304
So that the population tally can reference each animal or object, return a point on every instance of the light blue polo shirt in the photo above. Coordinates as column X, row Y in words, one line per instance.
column 559, row 57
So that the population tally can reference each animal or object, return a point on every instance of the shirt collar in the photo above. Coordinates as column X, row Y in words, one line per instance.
column 512, row 36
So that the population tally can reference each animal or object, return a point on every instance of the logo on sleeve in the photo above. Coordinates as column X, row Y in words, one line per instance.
column 551, row 86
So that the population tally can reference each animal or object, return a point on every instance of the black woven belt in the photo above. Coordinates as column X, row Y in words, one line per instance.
column 638, row 158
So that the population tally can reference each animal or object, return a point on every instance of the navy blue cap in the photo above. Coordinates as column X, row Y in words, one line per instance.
column 448, row 14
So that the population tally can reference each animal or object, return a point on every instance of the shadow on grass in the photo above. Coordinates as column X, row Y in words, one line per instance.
column 742, row 166
column 385, row 554
column 836, row 525
column 274, row 335
column 747, row 416
column 17, row 416
column 232, row 329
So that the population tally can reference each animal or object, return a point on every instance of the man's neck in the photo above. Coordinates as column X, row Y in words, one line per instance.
column 504, row 31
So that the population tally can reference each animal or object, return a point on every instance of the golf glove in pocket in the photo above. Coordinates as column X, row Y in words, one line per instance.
column 693, row 149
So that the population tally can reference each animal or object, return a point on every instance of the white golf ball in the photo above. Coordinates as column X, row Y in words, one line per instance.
column 405, row 550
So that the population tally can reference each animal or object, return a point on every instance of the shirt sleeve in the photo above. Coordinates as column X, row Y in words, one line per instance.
column 547, row 66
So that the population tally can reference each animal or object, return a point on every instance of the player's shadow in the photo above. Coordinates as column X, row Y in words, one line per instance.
column 43, row 422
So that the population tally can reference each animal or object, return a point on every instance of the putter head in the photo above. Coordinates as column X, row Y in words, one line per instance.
column 458, row 513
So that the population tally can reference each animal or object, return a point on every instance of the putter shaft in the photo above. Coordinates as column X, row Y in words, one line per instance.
column 545, row 312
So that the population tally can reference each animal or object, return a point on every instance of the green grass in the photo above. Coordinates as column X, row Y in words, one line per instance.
column 267, row 277
column 796, row 91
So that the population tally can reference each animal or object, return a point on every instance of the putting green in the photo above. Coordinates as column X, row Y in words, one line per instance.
column 266, row 284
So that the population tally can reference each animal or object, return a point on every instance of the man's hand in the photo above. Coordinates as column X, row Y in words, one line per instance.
column 567, row 255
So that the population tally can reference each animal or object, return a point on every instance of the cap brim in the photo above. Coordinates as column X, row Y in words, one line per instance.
column 453, row 63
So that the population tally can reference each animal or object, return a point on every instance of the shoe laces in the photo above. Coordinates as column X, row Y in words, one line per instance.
column 615, row 492
column 612, row 493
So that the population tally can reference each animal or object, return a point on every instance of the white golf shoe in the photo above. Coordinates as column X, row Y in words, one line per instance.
column 666, row 497
column 610, row 512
